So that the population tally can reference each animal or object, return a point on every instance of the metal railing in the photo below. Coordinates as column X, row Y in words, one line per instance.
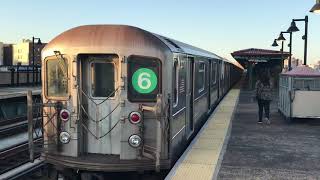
column 20, row 75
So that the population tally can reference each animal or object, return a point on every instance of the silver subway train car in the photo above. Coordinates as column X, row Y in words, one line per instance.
column 119, row 98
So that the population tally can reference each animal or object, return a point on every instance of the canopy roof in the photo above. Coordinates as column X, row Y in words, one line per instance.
column 258, row 55
column 303, row 71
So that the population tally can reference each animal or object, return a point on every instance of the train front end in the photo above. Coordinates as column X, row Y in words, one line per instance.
column 104, row 101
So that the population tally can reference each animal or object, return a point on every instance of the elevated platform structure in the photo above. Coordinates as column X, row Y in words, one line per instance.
column 254, row 60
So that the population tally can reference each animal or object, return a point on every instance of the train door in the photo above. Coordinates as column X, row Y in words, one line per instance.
column 190, row 96
column 209, row 79
column 100, row 103
column 222, row 76
column 219, row 80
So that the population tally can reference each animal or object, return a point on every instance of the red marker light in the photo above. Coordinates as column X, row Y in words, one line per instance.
column 135, row 117
column 64, row 115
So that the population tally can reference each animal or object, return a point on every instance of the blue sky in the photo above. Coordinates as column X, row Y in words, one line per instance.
column 220, row 26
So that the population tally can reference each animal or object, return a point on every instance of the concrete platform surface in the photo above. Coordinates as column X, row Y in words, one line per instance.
column 279, row 151
column 11, row 92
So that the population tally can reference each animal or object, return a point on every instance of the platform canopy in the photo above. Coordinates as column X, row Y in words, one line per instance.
column 256, row 60
column 253, row 55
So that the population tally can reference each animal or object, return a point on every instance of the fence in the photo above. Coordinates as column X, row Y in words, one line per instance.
column 20, row 75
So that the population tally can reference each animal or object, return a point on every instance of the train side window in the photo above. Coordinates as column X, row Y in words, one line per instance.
column 102, row 79
column 214, row 73
column 144, row 78
column 201, row 77
column 175, row 82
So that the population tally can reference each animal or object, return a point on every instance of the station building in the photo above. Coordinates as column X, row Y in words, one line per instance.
column 22, row 52
column 7, row 54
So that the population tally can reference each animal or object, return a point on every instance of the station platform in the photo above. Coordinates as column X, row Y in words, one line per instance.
column 203, row 157
column 232, row 145
column 279, row 151
column 12, row 92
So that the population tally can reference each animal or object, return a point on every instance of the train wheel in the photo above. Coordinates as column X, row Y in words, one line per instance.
column 52, row 173
column 91, row 176
column 86, row 176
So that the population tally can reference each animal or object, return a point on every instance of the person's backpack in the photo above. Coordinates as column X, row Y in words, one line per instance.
column 264, row 91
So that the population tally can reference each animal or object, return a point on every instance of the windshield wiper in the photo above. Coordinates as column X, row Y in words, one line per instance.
column 61, row 62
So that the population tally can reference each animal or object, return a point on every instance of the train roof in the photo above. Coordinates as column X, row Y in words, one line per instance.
column 105, row 37
column 177, row 46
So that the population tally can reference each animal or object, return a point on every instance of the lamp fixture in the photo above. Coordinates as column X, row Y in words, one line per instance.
column 281, row 37
column 316, row 7
column 275, row 44
column 293, row 27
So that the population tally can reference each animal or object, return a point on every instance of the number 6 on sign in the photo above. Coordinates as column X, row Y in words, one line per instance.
column 144, row 80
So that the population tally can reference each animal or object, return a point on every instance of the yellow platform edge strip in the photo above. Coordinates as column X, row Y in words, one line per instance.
column 203, row 160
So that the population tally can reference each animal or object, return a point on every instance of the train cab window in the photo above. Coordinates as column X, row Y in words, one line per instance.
column 201, row 75
column 56, row 77
column 102, row 79
column 144, row 78
column 175, row 82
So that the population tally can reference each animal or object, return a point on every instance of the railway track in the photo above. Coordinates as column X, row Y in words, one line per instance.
column 14, row 128
column 27, row 171
column 13, row 157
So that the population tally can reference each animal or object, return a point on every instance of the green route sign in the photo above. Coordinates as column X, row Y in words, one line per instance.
column 144, row 80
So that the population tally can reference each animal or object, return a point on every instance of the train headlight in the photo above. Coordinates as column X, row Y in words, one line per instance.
column 64, row 115
column 64, row 137
column 135, row 141
column 135, row 117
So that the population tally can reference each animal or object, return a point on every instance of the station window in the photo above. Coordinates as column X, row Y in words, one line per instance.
column 144, row 78
column 201, row 77
column 102, row 79
column 175, row 81
column 57, row 77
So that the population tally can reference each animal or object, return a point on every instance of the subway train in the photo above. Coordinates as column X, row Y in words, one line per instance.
column 119, row 98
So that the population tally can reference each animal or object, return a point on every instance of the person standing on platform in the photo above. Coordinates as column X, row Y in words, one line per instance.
column 263, row 92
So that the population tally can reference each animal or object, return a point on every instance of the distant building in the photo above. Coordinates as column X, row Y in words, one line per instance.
column 7, row 54
column 316, row 66
column 1, row 53
column 22, row 52
column 294, row 63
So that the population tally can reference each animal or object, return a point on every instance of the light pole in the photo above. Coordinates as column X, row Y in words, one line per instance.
column 294, row 28
column 275, row 44
column 316, row 7
column 33, row 49
column 281, row 38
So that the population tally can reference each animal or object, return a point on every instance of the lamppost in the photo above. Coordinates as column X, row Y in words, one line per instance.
column 33, row 49
column 316, row 7
column 275, row 44
column 282, row 39
column 294, row 28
